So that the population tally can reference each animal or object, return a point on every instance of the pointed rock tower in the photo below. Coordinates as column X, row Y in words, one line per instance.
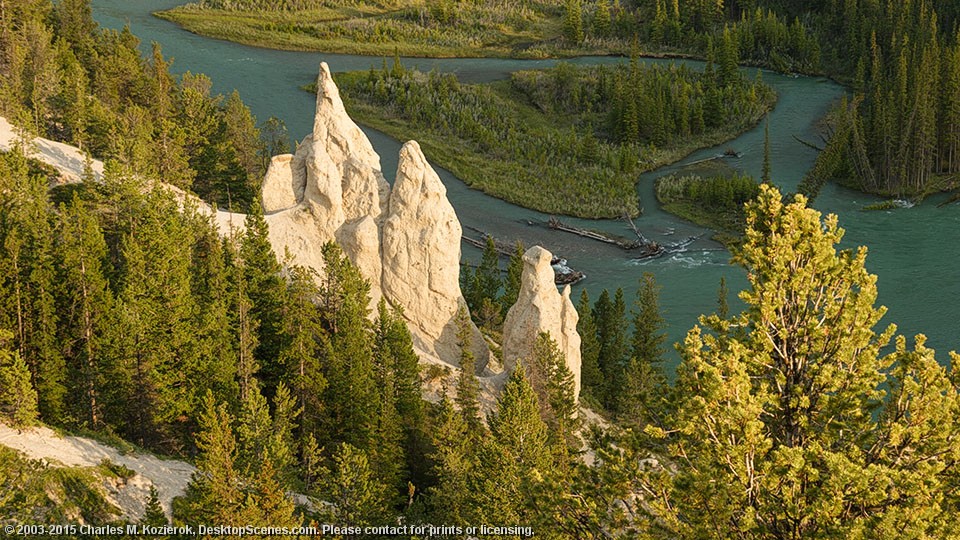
column 540, row 308
column 406, row 243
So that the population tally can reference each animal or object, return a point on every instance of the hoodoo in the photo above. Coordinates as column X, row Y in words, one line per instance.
column 406, row 242
column 421, row 256
column 540, row 308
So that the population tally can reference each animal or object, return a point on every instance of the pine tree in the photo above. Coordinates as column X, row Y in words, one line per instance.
column 468, row 387
column 18, row 399
column 266, row 503
column 591, row 378
column 356, row 493
column 511, row 287
column 154, row 516
column 214, row 494
column 158, row 314
column 775, row 414
column 28, row 282
column 573, row 22
column 241, row 131
column 253, row 431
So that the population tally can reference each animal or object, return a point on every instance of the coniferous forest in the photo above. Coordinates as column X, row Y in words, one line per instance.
column 126, row 316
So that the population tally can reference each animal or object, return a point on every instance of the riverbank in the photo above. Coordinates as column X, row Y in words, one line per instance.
column 513, row 140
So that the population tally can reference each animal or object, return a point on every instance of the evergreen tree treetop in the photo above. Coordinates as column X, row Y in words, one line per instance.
column 790, row 423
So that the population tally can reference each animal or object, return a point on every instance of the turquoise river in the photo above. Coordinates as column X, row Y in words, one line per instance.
column 912, row 250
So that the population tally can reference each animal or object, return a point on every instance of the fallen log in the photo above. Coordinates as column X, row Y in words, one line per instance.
column 622, row 243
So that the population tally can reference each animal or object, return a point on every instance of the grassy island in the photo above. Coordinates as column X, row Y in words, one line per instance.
column 566, row 140
column 715, row 201
column 503, row 28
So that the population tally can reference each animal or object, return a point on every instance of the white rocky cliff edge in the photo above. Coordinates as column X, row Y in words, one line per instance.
column 540, row 308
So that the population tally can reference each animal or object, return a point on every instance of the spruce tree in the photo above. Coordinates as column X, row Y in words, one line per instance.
column 728, row 59
column 88, row 306
column 351, row 397
column 302, row 334
column 393, row 349
column 648, row 323
column 212, row 271
column 557, row 394
column 591, row 378
column 18, row 399
column 454, row 459
column 723, row 309
column 610, row 317
column 601, row 19
column 486, row 280
column 641, row 398
column 573, row 22
column 265, row 289
column 517, row 454
column 468, row 387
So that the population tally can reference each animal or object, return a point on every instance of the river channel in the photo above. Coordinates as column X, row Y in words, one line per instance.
column 913, row 250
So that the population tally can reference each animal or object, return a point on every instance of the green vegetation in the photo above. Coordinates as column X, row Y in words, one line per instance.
column 715, row 202
column 537, row 29
column 123, row 313
column 34, row 493
column 65, row 79
column 898, row 134
column 566, row 140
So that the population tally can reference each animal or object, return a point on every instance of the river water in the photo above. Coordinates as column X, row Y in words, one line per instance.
column 913, row 251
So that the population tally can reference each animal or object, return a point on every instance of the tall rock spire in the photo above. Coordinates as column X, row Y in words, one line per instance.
column 540, row 308
column 421, row 256
column 407, row 244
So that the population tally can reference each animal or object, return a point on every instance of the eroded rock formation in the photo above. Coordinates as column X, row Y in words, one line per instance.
column 540, row 308
column 420, row 270
column 405, row 241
